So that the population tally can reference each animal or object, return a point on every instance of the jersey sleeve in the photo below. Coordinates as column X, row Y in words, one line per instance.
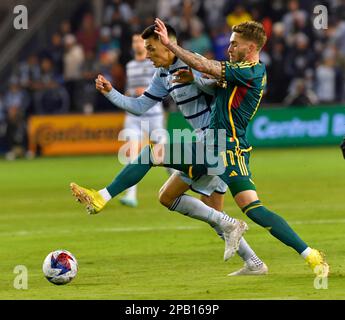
column 238, row 74
column 156, row 90
column 206, row 85
column 137, row 106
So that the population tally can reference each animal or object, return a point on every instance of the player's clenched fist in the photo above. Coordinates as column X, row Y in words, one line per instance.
column 103, row 85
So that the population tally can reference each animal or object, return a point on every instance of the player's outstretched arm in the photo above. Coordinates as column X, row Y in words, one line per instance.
column 136, row 106
column 197, row 62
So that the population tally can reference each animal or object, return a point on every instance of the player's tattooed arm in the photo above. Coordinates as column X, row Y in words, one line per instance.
column 195, row 61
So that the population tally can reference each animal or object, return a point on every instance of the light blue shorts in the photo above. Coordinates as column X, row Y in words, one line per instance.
column 205, row 185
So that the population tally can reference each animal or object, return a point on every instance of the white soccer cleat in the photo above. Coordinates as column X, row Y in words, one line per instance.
column 232, row 236
column 250, row 269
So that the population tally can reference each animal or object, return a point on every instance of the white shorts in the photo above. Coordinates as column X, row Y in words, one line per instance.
column 205, row 185
column 149, row 127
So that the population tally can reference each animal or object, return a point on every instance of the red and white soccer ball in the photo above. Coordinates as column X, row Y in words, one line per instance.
column 60, row 267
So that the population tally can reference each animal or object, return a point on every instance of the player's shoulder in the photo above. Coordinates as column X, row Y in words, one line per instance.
column 250, row 69
column 245, row 65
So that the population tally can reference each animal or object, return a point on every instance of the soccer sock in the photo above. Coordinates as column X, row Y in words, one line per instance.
column 105, row 194
column 306, row 253
column 247, row 253
column 255, row 260
column 131, row 192
column 196, row 209
column 275, row 224
column 132, row 173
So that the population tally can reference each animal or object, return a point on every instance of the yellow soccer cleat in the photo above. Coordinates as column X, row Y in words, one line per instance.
column 317, row 262
column 90, row 198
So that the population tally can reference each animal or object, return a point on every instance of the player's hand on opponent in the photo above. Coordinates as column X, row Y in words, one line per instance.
column 183, row 76
column 103, row 85
column 162, row 32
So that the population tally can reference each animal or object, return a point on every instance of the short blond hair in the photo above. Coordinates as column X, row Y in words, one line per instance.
column 252, row 31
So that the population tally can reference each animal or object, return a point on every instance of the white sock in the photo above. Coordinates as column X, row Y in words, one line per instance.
column 254, row 261
column 245, row 251
column 306, row 253
column 196, row 209
column 131, row 192
column 105, row 194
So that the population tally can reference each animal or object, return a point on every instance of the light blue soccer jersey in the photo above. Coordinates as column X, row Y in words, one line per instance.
column 139, row 74
column 194, row 100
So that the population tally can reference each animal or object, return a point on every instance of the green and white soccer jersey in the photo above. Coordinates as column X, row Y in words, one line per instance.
column 237, row 101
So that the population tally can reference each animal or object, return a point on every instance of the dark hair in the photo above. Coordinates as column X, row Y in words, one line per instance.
column 150, row 32
column 252, row 31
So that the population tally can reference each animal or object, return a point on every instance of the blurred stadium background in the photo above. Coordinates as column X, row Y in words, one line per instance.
column 49, row 69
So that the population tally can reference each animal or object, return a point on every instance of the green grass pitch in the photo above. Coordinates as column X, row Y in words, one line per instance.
column 149, row 252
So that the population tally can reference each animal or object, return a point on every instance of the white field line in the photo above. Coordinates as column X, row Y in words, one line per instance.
column 97, row 230
column 148, row 229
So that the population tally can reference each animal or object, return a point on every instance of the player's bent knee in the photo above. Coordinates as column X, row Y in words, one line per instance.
column 164, row 198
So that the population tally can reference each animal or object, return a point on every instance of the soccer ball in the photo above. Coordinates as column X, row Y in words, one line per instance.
column 60, row 267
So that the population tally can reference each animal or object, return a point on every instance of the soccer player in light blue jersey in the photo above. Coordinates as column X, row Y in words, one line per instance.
column 139, row 73
column 194, row 99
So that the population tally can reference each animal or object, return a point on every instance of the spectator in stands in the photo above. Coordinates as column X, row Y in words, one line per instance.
column 55, row 51
column 213, row 13
column 293, row 51
column 276, row 9
column 65, row 28
column 90, row 71
column 73, row 61
column 121, row 33
column 120, row 6
column 88, row 33
column 15, row 104
column 259, row 15
column 336, row 33
column 185, row 20
column 238, row 15
column 294, row 13
column 276, row 87
column 147, row 8
column 50, row 96
column 167, row 8
column 199, row 42
column 300, row 96
column 107, row 45
column 118, row 75
column 300, row 57
column 328, row 79
column 29, row 71
column 220, row 41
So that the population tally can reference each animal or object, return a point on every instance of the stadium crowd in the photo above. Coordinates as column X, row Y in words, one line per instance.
column 305, row 65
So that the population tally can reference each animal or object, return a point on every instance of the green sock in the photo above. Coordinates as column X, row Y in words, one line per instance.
column 275, row 224
column 132, row 173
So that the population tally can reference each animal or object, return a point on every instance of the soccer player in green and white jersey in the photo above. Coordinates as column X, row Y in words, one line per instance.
column 194, row 99
column 242, row 83
column 243, row 80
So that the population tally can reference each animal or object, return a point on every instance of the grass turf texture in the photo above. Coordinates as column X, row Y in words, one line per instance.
column 151, row 253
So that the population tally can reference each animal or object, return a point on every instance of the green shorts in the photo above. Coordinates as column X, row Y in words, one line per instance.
column 237, row 174
column 234, row 165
